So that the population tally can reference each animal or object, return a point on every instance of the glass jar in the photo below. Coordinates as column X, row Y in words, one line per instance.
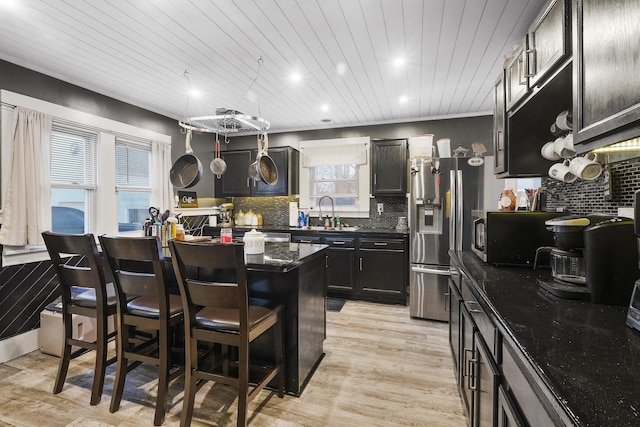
column 226, row 235
column 507, row 200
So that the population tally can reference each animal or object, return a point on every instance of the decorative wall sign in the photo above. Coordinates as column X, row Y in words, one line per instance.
column 188, row 199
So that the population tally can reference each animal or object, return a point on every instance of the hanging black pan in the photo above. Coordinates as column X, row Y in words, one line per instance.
column 266, row 166
column 187, row 170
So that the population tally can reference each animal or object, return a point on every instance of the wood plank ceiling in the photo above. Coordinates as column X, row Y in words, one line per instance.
column 138, row 51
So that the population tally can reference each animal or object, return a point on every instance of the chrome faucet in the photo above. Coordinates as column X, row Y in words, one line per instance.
column 320, row 210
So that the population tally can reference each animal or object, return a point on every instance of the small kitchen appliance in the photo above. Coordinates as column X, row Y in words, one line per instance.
column 510, row 237
column 602, row 250
column 225, row 218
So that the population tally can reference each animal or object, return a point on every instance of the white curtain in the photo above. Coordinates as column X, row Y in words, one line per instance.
column 27, row 203
column 162, row 190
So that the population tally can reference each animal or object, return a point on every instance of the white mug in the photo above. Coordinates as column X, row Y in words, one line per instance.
column 561, row 172
column 564, row 121
column 548, row 151
column 586, row 167
column 563, row 146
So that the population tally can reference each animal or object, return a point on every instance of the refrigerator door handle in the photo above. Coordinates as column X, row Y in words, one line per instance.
column 427, row 270
column 452, row 210
column 460, row 211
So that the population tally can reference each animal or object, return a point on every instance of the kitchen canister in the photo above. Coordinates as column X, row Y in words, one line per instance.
column 253, row 242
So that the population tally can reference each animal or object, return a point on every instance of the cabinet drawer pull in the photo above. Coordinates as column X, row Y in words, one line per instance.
column 339, row 243
column 380, row 243
column 304, row 241
column 472, row 374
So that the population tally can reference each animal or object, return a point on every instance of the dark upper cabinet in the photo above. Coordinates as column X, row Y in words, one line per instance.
column 389, row 167
column 516, row 82
column 606, row 106
column 549, row 40
column 286, row 160
column 534, row 88
column 236, row 180
column 499, row 127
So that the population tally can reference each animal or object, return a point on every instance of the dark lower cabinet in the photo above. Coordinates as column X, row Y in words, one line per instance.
column 382, row 274
column 454, row 322
column 484, row 384
column 362, row 267
column 341, row 261
column 507, row 413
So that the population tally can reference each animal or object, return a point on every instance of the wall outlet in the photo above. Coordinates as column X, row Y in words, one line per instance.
column 380, row 208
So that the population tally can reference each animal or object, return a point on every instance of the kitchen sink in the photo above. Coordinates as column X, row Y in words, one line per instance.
column 322, row 228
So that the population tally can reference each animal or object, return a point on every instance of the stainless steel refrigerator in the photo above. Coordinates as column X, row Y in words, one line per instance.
column 443, row 192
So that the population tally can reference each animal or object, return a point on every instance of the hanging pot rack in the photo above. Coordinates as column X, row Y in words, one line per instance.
column 226, row 121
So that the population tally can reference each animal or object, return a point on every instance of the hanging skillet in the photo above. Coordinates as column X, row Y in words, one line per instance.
column 266, row 166
column 187, row 170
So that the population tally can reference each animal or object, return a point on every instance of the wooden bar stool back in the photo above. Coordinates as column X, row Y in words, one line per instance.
column 85, row 292
column 221, row 313
column 144, row 304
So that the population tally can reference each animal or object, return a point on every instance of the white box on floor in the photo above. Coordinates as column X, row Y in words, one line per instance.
column 51, row 334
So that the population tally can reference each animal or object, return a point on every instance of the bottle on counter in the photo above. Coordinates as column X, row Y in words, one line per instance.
column 240, row 218
column 260, row 220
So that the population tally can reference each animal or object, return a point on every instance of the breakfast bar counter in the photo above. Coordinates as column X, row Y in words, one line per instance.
column 292, row 274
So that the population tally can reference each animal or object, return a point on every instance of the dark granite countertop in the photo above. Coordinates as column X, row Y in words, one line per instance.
column 583, row 352
column 284, row 257
column 278, row 257
column 287, row 229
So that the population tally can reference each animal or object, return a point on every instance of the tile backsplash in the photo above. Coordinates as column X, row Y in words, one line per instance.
column 275, row 211
column 612, row 190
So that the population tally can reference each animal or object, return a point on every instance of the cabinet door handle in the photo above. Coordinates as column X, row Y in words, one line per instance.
column 326, row 261
column 522, row 73
column 446, row 301
column 473, row 363
column 248, row 183
column 375, row 179
column 529, row 53
column 360, row 263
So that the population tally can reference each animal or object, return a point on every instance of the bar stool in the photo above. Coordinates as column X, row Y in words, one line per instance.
column 144, row 304
column 222, row 314
column 84, row 292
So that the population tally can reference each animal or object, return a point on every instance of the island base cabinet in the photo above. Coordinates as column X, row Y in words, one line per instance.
column 507, row 414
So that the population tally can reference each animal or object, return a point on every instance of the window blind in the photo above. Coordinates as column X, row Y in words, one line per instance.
column 73, row 156
column 133, row 164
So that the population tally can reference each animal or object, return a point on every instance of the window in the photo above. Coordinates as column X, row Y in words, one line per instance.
column 338, row 168
column 133, row 183
column 73, row 178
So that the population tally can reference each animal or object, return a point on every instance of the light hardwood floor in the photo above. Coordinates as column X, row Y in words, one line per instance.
column 381, row 368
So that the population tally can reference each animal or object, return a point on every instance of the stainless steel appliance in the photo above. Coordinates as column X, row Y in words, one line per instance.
column 510, row 237
column 442, row 194
column 609, row 248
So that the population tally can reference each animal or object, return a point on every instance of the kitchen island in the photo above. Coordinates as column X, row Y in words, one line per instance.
column 570, row 362
column 292, row 274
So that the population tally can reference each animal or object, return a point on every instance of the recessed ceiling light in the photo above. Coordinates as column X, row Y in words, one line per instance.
column 324, row 107
column 295, row 77
column 403, row 99
column 341, row 69
column 195, row 93
column 398, row 62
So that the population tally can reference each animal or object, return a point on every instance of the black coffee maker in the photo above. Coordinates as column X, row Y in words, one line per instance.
column 607, row 248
